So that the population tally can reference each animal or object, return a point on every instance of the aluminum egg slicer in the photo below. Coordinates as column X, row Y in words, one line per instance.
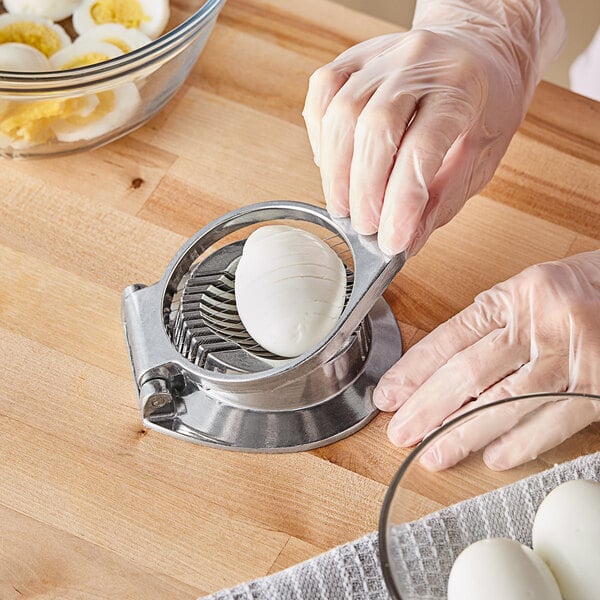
column 199, row 375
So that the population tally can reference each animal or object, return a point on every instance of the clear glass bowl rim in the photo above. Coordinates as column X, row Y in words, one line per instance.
column 127, row 64
column 387, row 501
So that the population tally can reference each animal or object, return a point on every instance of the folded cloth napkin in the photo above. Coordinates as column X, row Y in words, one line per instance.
column 423, row 550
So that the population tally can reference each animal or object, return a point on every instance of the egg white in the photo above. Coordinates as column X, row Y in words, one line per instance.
column 155, row 15
column 38, row 32
column 118, row 35
column 22, row 58
column 290, row 289
column 8, row 143
column 24, row 124
column 122, row 101
column 83, row 53
column 57, row 10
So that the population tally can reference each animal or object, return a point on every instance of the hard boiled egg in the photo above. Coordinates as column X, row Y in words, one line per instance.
column 113, row 109
column 38, row 32
column 82, row 54
column 566, row 534
column 500, row 569
column 57, row 10
column 290, row 288
column 25, row 124
column 149, row 16
column 117, row 35
column 22, row 58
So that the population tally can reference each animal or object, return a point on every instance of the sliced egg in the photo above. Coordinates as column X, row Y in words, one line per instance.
column 114, row 109
column 38, row 32
column 500, row 569
column 566, row 535
column 57, row 10
column 22, row 58
column 149, row 16
column 290, row 289
column 27, row 124
column 117, row 35
column 83, row 54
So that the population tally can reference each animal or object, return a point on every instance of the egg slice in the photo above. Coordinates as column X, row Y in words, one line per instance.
column 566, row 535
column 290, row 289
column 113, row 109
column 57, row 10
column 83, row 54
column 27, row 124
column 149, row 16
column 117, row 35
column 22, row 58
column 38, row 32
column 500, row 569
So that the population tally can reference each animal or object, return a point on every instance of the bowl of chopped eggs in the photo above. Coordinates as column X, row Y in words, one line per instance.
column 77, row 74
column 502, row 502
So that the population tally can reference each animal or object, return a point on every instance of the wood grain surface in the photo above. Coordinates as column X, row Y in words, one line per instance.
column 92, row 506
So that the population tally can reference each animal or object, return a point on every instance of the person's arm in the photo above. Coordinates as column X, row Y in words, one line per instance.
column 406, row 127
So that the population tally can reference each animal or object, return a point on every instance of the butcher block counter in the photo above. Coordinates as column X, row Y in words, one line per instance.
column 93, row 505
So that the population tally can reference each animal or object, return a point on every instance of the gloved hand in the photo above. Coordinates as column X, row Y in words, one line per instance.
column 536, row 332
column 406, row 127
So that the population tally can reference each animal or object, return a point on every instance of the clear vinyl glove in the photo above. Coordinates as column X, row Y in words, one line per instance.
column 536, row 332
column 406, row 127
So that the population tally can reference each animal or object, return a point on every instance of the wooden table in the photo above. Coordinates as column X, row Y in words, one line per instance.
column 94, row 506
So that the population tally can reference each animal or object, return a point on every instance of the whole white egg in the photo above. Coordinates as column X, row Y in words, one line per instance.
column 22, row 58
column 290, row 289
column 500, row 569
column 566, row 534
column 57, row 10
column 149, row 16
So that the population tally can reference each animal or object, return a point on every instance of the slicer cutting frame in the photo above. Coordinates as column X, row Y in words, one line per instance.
column 198, row 378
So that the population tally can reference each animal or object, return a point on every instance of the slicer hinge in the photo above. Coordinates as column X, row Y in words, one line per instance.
column 157, row 400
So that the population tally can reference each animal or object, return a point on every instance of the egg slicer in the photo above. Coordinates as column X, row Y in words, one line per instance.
column 202, row 378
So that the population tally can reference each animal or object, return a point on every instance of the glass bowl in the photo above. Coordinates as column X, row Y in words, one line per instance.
column 422, row 529
column 132, row 88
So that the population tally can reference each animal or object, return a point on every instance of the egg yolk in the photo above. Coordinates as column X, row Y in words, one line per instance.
column 120, row 44
column 33, row 34
column 90, row 58
column 127, row 12
column 31, row 121
column 106, row 104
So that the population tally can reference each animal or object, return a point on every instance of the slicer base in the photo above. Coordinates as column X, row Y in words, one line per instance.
column 207, row 420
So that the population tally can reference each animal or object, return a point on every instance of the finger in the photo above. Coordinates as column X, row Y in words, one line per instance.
column 447, row 192
column 379, row 129
column 484, row 427
column 461, row 379
column 326, row 81
column 323, row 85
column 337, row 139
column 439, row 121
column 545, row 373
column 486, row 314
column 361, row 53
column 540, row 431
